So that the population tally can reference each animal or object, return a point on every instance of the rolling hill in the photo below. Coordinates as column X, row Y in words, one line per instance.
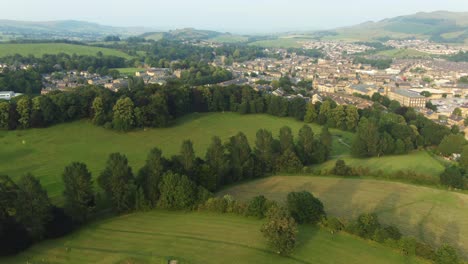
column 68, row 29
column 440, row 26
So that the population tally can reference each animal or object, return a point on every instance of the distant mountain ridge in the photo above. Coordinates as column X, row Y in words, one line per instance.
column 439, row 26
column 70, row 29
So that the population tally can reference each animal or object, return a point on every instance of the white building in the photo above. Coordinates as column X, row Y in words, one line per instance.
column 7, row 95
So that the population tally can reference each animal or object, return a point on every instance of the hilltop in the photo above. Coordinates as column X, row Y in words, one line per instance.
column 440, row 26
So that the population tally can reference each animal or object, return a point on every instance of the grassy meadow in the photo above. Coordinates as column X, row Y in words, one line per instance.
column 155, row 236
column 431, row 215
column 39, row 49
column 403, row 53
column 45, row 152
column 129, row 71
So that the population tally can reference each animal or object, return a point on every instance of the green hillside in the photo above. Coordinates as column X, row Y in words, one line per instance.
column 156, row 236
column 441, row 26
column 38, row 50
column 45, row 152
column 433, row 216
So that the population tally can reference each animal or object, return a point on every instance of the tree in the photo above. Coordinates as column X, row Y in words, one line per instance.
column 240, row 157
column 216, row 160
column 32, row 206
column 288, row 162
column 311, row 114
column 364, row 226
column 452, row 177
column 452, row 144
column 341, row 169
column 78, row 193
column 99, row 117
column 264, row 149
column 23, row 107
column 286, row 139
column 187, row 156
column 338, row 115
column 124, row 118
column 326, row 140
column 394, row 105
column 280, row 230
column 117, row 181
column 447, row 255
column 4, row 114
column 257, row 207
column 177, row 192
column 366, row 141
column 457, row 112
column 352, row 117
column 150, row 176
column 305, row 145
column 464, row 158
column 304, row 207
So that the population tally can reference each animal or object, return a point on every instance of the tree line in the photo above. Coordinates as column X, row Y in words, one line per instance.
column 182, row 181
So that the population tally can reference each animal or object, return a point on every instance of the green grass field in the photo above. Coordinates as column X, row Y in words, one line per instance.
column 45, row 152
column 431, row 215
column 199, row 238
column 129, row 71
column 418, row 161
column 229, row 39
column 40, row 49
column 280, row 43
column 403, row 53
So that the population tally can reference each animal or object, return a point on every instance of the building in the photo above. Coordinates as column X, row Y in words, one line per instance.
column 407, row 98
column 7, row 95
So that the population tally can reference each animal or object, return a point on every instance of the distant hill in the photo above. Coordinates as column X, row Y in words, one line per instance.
column 191, row 34
column 440, row 26
column 69, row 29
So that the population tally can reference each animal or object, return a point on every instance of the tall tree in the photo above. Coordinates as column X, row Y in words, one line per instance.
column 4, row 114
column 124, row 119
column 339, row 117
column 288, row 162
column 264, row 149
column 33, row 207
column 311, row 114
column 150, row 176
column 286, row 139
column 352, row 117
column 216, row 160
column 177, row 192
column 187, row 156
column 99, row 115
column 240, row 157
column 305, row 145
column 304, row 207
column 23, row 107
column 327, row 140
column 117, row 181
column 79, row 194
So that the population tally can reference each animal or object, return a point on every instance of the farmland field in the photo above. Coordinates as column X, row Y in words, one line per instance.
column 128, row 71
column 280, row 43
column 434, row 216
column 403, row 53
column 38, row 50
column 199, row 238
column 45, row 152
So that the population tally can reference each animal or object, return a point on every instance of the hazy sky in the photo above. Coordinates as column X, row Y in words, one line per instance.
column 249, row 16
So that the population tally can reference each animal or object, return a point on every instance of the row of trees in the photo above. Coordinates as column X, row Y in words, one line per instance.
column 180, row 182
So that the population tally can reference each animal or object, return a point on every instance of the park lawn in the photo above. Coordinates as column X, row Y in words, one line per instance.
column 403, row 53
column 280, row 43
column 39, row 49
column 45, row 152
column 431, row 215
column 417, row 161
column 199, row 238
column 128, row 71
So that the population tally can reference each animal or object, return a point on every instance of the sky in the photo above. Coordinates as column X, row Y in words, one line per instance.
column 236, row 16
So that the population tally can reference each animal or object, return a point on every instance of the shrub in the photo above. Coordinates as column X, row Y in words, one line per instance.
column 447, row 255
column 304, row 207
column 425, row 251
column 334, row 224
column 257, row 207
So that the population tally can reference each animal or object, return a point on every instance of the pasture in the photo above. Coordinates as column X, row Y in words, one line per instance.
column 128, row 71
column 404, row 53
column 156, row 236
column 40, row 49
column 431, row 215
column 45, row 152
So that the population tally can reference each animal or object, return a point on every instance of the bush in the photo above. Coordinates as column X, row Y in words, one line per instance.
column 60, row 223
column 364, row 226
column 388, row 232
column 408, row 245
column 334, row 224
column 425, row 251
column 341, row 169
column 216, row 204
column 304, row 207
column 257, row 207
column 447, row 255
